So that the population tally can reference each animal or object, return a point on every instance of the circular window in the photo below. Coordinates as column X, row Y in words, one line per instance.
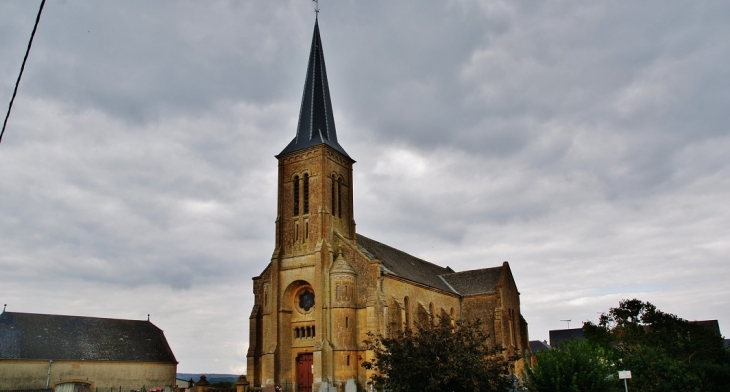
column 305, row 299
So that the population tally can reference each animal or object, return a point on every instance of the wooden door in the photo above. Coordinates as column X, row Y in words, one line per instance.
column 304, row 372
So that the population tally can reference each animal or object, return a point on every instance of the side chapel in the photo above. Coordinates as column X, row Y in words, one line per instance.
column 327, row 286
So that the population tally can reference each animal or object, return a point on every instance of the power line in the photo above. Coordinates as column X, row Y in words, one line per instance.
column 22, row 67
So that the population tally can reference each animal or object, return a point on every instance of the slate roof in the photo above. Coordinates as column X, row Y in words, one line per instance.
column 481, row 281
column 401, row 264
column 558, row 336
column 316, row 121
column 44, row 336
column 712, row 325
column 538, row 345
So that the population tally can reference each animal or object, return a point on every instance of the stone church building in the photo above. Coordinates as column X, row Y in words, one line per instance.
column 327, row 285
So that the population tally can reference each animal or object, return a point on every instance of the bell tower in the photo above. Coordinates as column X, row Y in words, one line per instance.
column 291, row 326
column 315, row 172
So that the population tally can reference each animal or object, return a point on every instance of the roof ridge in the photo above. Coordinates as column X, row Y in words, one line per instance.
column 449, row 284
column 75, row 316
column 472, row 270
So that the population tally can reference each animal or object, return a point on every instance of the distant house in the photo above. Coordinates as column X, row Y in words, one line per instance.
column 82, row 354
column 183, row 384
column 712, row 325
column 561, row 336
column 537, row 346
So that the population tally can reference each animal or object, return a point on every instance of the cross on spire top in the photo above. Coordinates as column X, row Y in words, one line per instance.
column 316, row 9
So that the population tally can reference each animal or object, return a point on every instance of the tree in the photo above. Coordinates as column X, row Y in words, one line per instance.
column 438, row 357
column 222, row 384
column 663, row 351
column 576, row 366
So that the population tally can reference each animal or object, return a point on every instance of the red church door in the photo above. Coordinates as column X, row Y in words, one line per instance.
column 304, row 372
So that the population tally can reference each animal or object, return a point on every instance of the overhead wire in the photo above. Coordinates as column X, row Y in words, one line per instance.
column 22, row 67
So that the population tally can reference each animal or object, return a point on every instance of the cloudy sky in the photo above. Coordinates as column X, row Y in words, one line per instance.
column 587, row 143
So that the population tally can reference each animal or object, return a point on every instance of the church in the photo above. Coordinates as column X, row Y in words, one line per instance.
column 327, row 286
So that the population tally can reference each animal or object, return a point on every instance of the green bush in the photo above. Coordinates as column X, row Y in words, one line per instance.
column 437, row 358
column 663, row 351
column 577, row 366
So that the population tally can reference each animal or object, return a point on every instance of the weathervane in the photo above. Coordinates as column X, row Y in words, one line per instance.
column 316, row 8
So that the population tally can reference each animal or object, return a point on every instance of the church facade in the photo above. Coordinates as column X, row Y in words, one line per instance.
column 327, row 286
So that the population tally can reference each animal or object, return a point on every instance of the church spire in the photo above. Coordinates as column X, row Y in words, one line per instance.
column 316, row 121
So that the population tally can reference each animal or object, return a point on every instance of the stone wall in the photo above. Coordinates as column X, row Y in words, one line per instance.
column 415, row 301
column 27, row 374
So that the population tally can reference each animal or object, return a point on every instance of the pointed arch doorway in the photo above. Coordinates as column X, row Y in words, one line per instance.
column 304, row 372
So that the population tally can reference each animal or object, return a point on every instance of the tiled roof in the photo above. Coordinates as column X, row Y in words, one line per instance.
column 316, row 122
column 538, row 345
column 481, row 281
column 43, row 336
column 401, row 264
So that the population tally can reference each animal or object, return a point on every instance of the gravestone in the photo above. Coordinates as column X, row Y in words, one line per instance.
column 325, row 387
column 350, row 386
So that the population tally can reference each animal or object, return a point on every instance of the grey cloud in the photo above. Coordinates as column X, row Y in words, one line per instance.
column 137, row 59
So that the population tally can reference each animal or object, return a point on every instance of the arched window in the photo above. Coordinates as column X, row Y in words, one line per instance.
column 339, row 198
column 452, row 315
column 407, row 307
column 296, row 195
column 337, row 292
column 512, row 327
column 345, row 295
column 333, row 195
column 432, row 312
column 306, row 193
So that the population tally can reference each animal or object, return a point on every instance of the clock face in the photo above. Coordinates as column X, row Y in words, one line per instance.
column 306, row 300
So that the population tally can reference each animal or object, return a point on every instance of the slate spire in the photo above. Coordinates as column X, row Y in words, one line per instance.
column 316, row 122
